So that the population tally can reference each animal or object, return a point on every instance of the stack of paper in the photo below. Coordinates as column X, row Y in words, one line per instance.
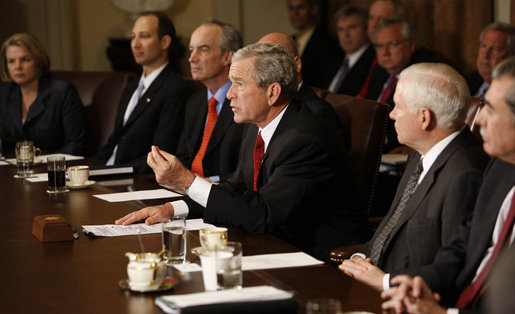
column 134, row 229
column 173, row 303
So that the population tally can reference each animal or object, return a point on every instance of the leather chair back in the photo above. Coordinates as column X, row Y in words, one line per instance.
column 364, row 122
column 475, row 105
column 100, row 93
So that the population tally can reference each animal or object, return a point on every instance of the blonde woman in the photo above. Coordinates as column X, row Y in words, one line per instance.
column 35, row 106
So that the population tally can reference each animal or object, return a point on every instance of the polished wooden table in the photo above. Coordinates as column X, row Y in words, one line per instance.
column 82, row 276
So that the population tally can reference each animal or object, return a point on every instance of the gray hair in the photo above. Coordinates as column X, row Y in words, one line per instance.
column 406, row 31
column 272, row 64
column 230, row 39
column 350, row 10
column 439, row 88
column 507, row 68
column 505, row 28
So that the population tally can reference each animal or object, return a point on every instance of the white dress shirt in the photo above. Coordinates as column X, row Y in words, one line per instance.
column 200, row 188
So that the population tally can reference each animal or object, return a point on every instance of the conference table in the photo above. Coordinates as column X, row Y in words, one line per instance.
column 82, row 276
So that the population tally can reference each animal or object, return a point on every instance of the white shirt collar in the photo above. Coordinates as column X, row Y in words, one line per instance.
column 147, row 80
column 268, row 131
column 354, row 57
column 429, row 158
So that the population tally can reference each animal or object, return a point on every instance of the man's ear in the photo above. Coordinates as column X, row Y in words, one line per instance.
column 298, row 63
column 166, row 41
column 273, row 92
column 426, row 118
column 227, row 58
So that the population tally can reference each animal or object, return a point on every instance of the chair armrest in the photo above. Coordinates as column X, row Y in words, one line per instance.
column 344, row 252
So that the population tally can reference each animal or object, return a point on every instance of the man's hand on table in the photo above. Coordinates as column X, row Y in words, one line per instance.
column 363, row 270
column 151, row 214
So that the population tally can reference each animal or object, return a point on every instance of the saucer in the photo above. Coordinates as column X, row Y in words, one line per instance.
column 86, row 184
column 167, row 284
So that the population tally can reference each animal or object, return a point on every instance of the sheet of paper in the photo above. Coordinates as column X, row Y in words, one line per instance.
column 137, row 195
column 280, row 260
column 172, row 303
column 134, row 229
column 268, row 261
column 42, row 158
column 38, row 177
column 4, row 163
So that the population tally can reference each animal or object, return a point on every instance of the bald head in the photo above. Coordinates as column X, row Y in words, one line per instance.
column 282, row 40
column 288, row 44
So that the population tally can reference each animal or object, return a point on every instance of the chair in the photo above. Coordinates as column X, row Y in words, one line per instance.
column 364, row 122
column 100, row 93
column 475, row 106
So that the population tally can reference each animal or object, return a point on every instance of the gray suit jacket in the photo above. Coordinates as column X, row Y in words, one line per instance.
column 444, row 198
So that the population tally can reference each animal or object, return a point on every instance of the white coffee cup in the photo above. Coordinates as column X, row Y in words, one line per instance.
column 78, row 175
column 210, row 238
column 146, row 271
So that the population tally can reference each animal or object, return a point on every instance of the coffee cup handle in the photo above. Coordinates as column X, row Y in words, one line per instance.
column 37, row 151
column 160, row 255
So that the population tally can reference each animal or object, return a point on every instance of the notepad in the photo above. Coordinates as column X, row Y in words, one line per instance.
column 134, row 229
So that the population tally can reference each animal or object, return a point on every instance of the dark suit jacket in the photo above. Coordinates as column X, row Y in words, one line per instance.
column 357, row 74
column 456, row 264
column 56, row 121
column 305, row 194
column 319, row 59
column 322, row 108
column 157, row 119
column 444, row 198
column 474, row 81
column 222, row 151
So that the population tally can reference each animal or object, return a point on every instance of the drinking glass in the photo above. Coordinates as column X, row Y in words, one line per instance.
column 25, row 158
column 56, row 167
column 228, row 266
column 174, row 239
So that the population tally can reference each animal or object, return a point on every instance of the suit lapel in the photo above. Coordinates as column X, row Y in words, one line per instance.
column 222, row 124
column 146, row 99
column 429, row 179
column 38, row 107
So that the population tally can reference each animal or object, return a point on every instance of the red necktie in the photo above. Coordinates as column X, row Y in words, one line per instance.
column 472, row 292
column 196, row 165
column 259, row 152
column 387, row 91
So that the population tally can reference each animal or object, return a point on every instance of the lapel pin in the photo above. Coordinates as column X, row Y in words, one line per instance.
column 148, row 100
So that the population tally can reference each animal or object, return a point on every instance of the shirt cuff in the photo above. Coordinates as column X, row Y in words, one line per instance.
column 453, row 311
column 358, row 254
column 386, row 282
column 180, row 208
column 199, row 191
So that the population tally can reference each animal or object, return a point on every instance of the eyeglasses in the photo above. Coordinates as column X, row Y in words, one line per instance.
column 390, row 44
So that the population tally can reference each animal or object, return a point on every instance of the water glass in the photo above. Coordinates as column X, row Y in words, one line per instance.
column 228, row 266
column 174, row 239
column 25, row 158
column 56, row 174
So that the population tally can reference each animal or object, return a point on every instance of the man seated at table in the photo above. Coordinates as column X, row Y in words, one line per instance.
column 439, row 187
column 461, row 271
column 151, row 109
column 305, row 94
column 292, row 178
column 210, row 140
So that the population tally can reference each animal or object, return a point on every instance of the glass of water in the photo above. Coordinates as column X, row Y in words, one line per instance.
column 228, row 266
column 174, row 239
